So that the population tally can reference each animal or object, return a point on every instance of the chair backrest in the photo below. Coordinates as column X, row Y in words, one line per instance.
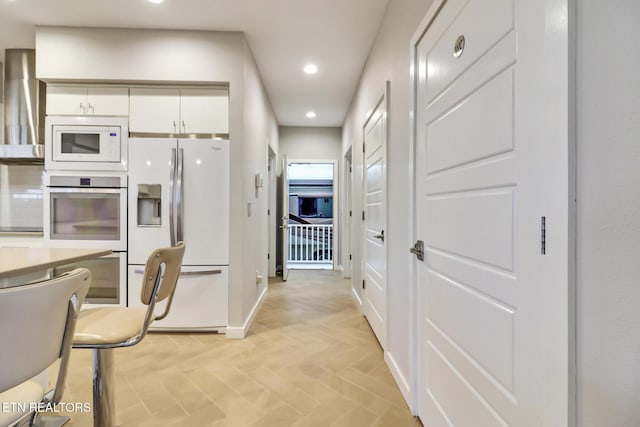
column 161, row 272
column 36, row 321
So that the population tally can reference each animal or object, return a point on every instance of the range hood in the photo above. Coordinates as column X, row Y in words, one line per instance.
column 23, row 109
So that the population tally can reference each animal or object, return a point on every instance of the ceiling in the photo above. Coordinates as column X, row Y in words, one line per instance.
column 283, row 35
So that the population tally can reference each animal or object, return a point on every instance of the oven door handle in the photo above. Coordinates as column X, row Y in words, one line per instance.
column 85, row 190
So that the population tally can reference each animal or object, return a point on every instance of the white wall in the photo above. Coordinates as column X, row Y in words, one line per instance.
column 608, row 193
column 260, row 131
column 389, row 60
column 317, row 143
column 158, row 56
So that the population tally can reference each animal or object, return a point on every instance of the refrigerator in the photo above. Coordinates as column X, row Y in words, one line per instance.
column 179, row 190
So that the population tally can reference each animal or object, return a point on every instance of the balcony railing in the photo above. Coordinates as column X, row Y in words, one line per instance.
column 310, row 244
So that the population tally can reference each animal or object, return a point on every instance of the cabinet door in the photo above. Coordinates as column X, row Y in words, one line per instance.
column 204, row 111
column 108, row 101
column 200, row 301
column 154, row 110
column 66, row 100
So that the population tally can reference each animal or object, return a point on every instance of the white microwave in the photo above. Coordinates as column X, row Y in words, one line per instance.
column 86, row 143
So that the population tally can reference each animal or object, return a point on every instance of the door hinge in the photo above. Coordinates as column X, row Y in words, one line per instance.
column 363, row 215
column 268, row 168
column 363, row 148
column 268, row 256
column 349, row 257
column 268, row 211
column 350, row 213
column 543, row 235
column 363, row 286
column 418, row 250
column 350, row 169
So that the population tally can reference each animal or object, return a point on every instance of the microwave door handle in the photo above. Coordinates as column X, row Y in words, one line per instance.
column 180, row 196
column 172, row 189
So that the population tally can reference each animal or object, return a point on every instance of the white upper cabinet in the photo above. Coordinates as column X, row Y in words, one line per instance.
column 204, row 111
column 87, row 100
column 185, row 111
column 154, row 110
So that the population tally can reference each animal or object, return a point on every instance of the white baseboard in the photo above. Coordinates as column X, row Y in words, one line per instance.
column 401, row 381
column 357, row 298
column 235, row 332
column 338, row 268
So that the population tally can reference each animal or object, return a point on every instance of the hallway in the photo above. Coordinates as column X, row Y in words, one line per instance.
column 309, row 360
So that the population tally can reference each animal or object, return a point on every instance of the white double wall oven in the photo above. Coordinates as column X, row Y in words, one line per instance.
column 85, row 197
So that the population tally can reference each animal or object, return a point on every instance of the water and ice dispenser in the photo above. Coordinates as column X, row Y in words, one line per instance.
column 149, row 204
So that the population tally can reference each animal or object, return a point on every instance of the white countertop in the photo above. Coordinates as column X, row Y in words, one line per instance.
column 15, row 261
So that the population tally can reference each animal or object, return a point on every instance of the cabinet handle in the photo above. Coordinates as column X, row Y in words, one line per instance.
column 184, row 127
column 174, row 126
column 92, row 108
column 83, row 108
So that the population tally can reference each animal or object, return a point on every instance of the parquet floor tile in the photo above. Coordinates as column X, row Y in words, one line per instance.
column 310, row 360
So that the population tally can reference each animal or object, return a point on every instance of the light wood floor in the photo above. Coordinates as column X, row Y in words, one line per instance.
column 309, row 360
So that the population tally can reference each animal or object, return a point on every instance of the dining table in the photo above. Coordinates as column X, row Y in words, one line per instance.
column 22, row 265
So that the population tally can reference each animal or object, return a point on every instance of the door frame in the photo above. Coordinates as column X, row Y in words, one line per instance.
column 272, row 209
column 570, row 46
column 347, row 217
column 336, row 203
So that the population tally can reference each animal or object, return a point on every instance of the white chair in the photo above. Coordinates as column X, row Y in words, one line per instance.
column 104, row 329
column 36, row 328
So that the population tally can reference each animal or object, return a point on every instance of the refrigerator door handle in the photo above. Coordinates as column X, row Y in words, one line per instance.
column 200, row 273
column 188, row 273
column 172, row 191
column 180, row 197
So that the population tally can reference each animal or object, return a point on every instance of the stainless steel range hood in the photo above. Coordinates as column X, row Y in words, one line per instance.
column 24, row 98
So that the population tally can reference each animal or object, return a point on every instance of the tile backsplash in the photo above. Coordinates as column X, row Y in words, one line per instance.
column 21, row 204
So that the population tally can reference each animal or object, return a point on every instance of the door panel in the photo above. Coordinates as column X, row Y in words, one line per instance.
column 492, row 339
column 452, row 307
column 205, row 201
column 483, row 226
column 442, row 66
column 486, row 116
column 375, row 257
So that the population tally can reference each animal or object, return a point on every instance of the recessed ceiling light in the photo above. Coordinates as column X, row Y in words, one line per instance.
column 311, row 115
column 155, row 1
column 310, row 69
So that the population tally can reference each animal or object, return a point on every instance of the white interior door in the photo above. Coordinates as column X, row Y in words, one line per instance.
column 375, row 256
column 284, row 220
column 491, row 168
